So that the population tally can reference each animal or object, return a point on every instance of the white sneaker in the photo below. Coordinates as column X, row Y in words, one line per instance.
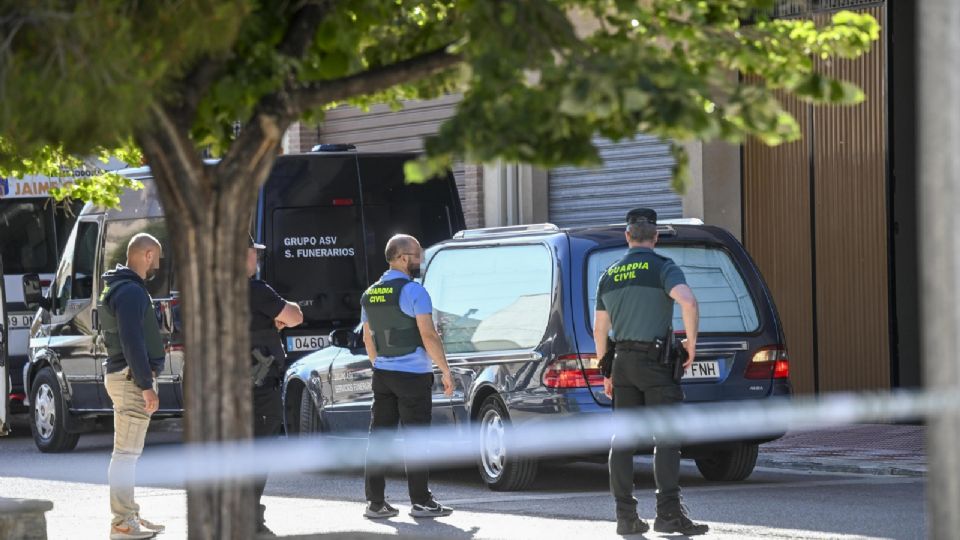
column 150, row 526
column 129, row 530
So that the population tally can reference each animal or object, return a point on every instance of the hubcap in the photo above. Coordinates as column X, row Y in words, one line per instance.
column 492, row 447
column 45, row 411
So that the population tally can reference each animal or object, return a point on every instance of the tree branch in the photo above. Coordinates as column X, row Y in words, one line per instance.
column 373, row 80
column 303, row 27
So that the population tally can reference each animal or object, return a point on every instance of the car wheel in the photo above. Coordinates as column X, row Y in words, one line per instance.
column 729, row 465
column 500, row 470
column 310, row 423
column 48, row 415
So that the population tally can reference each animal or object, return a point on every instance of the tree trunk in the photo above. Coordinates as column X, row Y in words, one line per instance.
column 208, row 213
column 939, row 129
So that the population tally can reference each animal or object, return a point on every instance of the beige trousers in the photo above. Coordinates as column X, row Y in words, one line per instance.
column 130, row 423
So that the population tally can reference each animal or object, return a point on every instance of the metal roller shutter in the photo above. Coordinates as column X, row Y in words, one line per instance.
column 634, row 173
column 385, row 130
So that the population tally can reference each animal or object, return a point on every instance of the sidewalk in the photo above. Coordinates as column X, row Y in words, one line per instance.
column 882, row 449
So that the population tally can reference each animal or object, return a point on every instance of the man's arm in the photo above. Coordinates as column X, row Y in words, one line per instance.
column 369, row 343
column 434, row 346
column 290, row 315
column 682, row 295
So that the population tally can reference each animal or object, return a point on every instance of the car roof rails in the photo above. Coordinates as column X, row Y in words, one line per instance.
column 339, row 147
column 535, row 228
column 681, row 221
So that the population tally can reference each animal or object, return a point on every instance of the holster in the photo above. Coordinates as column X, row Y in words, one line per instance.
column 606, row 361
column 261, row 365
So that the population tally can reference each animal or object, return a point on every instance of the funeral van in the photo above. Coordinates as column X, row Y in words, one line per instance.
column 325, row 218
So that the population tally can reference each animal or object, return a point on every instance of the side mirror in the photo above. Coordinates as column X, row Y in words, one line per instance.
column 32, row 291
column 343, row 338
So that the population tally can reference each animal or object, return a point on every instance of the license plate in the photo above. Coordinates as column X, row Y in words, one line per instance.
column 703, row 370
column 19, row 320
column 306, row 343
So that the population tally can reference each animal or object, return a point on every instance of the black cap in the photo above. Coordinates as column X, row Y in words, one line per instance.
column 642, row 215
column 255, row 245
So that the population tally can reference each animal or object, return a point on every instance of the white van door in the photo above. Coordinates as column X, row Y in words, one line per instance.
column 4, row 377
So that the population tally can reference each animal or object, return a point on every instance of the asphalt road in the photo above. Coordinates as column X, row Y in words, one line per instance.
column 567, row 500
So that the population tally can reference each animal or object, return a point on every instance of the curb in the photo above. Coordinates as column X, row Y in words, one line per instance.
column 881, row 469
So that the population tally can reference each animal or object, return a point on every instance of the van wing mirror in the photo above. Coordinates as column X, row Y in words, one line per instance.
column 343, row 338
column 33, row 292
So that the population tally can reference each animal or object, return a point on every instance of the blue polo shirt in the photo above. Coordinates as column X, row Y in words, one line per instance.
column 414, row 300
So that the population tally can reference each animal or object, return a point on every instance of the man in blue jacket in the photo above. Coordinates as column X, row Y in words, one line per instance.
column 135, row 356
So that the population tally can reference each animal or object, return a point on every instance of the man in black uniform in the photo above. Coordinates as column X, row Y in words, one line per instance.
column 269, row 313
column 635, row 299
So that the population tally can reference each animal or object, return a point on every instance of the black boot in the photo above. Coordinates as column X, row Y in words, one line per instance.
column 675, row 520
column 631, row 525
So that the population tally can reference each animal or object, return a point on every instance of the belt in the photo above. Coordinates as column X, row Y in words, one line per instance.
column 638, row 346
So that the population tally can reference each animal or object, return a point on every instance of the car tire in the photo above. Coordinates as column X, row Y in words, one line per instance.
column 729, row 465
column 310, row 423
column 500, row 470
column 48, row 413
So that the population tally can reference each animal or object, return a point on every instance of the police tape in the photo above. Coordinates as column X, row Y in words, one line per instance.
column 545, row 437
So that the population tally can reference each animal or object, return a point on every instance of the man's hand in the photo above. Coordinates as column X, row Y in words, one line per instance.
column 279, row 324
column 691, row 352
column 447, row 379
column 151, row 401
column 608, row 387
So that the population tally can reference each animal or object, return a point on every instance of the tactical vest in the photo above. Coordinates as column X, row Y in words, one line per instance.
column 111, row 330
column 394, row 332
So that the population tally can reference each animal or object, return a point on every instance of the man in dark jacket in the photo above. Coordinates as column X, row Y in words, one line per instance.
column 269, row 313
column 135, row 356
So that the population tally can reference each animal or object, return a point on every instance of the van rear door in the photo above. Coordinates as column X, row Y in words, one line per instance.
column 430, row 211
column 311, row 218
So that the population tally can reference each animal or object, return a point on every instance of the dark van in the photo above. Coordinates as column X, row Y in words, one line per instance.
column 514, row 308
column 325, row 218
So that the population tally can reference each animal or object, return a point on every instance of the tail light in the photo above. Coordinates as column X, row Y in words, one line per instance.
column 573, row 371
column 18, row 396
column 769, row 362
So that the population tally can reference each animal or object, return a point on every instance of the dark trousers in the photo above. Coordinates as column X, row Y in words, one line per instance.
column 267, row 421
column 398, row 397
column 640, row 381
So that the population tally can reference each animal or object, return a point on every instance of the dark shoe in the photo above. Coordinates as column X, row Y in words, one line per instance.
column 380, row 511
column 431, row 509
column 678, row 522
column 631, row 525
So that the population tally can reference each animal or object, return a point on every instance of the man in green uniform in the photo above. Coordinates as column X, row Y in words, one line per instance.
column 635, row 300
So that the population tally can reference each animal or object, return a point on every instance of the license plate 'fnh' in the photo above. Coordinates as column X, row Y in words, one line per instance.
column 305, row 343
column 703, row 370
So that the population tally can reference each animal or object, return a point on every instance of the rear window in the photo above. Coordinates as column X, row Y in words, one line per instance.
column 491, row 299
column 725, row 301
column 118, row 235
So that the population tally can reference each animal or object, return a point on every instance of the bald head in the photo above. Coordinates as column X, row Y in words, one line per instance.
column 143, row 254
column 142, row 242
column 403, row 253
column 400, row 244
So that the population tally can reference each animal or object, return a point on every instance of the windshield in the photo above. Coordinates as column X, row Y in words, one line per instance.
column 725, row 302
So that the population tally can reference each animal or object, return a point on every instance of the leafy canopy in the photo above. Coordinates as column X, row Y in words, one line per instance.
column 539, row 78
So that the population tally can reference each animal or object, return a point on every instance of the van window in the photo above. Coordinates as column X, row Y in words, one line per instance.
column 491, row 298
column 725, row 302
column 118, row 234
column 33, row 232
